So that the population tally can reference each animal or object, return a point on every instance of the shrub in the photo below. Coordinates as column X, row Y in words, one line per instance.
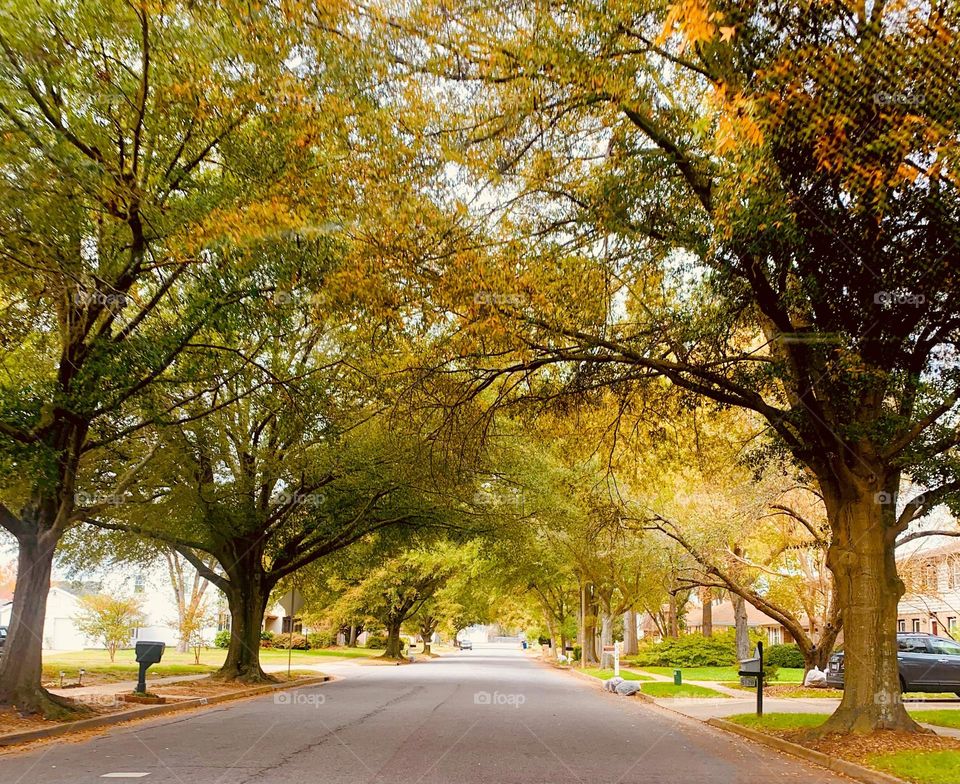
column 322, row 639
column 577, row 652
column 783, row 656
column 376, row 641
column 222, row 640
column 691, row 650
column 284, row 641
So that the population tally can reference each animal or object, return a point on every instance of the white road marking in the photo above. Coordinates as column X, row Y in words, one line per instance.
column 124, row 775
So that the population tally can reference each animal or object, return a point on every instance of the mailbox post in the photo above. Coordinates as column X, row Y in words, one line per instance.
column 147, row 653
column 753, row 668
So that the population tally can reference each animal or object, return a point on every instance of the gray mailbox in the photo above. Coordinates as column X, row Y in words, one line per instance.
column 147, row 653
column 753, row 668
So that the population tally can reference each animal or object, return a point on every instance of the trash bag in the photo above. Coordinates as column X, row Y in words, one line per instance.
column 816, row 679
column 627, row 688
column 612, row 683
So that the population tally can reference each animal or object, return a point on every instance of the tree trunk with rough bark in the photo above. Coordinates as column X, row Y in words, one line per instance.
column 673, row 622
column 741, row 629
column 247, row 596
column 861, row 557
column 21, row 664
column 706, row 623
column 606, row 639
column 394, row 643
column 630, row 643
column 588, row 654
column 427, row 627
column 352, row 640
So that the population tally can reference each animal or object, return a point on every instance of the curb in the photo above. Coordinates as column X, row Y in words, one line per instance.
column 850, row 769
column 16, row 738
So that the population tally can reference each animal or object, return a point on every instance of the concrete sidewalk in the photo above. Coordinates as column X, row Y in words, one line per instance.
column 119, row 687
column 740, row 701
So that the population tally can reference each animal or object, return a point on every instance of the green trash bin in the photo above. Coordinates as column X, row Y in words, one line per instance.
column 677, row 677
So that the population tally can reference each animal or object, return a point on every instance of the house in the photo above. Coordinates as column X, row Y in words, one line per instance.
column 931, row 603
column 59, row 630
column 723, row 619
column 153, row 590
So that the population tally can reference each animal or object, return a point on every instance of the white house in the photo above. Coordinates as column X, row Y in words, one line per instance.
column 153, row 589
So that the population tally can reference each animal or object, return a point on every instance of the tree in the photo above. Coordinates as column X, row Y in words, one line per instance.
column 135, row 140
column 190, row 593
column 757, row 532
column 398, row 590
column 109, row 619
column 748, row 203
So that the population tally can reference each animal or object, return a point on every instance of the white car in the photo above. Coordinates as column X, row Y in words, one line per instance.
column 466, row 645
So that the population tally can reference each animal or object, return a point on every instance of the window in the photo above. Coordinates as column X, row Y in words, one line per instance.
column 945, row 647
column 930, row 581
column 295, row 623
column 916, row 624
column 951, row 624
column 901, row 625
column 138, row 584
column 912, row 645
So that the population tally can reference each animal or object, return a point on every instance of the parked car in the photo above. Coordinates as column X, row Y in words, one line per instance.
column 3, row 637
column 926, row 663
column 466, row 645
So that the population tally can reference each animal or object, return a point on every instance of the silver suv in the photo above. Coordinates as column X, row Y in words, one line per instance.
column 926, row 663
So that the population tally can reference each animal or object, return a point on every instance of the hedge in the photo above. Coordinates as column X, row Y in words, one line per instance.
column 783, row 656
column 691, row 650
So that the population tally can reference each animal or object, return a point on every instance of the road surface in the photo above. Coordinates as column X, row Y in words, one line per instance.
column 487, row 715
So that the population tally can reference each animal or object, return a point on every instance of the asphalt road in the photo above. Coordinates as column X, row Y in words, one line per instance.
column 487, row 715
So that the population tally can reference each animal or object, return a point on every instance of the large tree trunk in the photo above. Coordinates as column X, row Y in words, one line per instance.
column 588, row 655
column 861, row 557
column 741, row 629
column 394, row 644
column 21, row 665
column 630, row 644
column 247, row 598
column 352, row 640
column 706, row 623
column 427, row 628
column 606, row 639
column 673, row 622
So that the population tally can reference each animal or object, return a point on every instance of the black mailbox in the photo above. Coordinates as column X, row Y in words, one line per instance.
column 147, row 653
column 150, row 652
column 753, row 668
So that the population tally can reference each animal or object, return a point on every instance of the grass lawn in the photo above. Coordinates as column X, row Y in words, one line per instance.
column 661, row 689
column 924, row 766
column 784, row 675
column 941, row 718
column 99, row 668
column 605, row 675
column 927, row 767
column 779, row 721
column 787, row 690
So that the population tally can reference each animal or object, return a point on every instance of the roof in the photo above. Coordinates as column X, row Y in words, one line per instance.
column 723, row 615
column 928, row 553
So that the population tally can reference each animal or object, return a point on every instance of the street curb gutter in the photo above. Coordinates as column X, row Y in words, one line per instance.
column 15, row 738
column 851, row 769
